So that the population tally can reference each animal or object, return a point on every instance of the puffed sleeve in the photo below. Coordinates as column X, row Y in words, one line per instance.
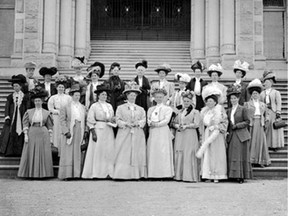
column 167, row 116
column 278, row 102
column 245, row 121
column 63, row 120
column 91, row 118
column 119, row 117
column 51, row 104
column 25, row 122
column 142, row 120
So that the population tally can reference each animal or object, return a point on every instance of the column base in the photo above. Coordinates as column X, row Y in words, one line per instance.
column 227, row 61
column 64, row 62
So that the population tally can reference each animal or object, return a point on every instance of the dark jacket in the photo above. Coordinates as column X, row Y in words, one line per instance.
column 240, row 127
column 199, row 100
column 143, row 97
column 116, row 96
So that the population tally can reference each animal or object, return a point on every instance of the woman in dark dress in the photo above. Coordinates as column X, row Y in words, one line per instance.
column 142, row 98
column 12, row 138
column 239, row 166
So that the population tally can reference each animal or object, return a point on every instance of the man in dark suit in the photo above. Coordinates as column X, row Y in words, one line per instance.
column 142, row 98
column 240, row 70
column 47, row 74
column 196, row 84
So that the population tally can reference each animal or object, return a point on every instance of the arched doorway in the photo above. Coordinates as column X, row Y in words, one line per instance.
column 140, row 19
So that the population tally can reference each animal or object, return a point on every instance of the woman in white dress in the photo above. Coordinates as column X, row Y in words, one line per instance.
column 100, row 153
column 55, row 104
column 213, row 131
column 130, row 144
column 159, row 146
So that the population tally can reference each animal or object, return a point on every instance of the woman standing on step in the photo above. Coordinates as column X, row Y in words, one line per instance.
column 259, row 154
column 186, row 140
column 12, row 137
column 239, row 165
column 272, row 98
column 100, row 153
column 130, row 144
column 73, row 125
column 36, row 159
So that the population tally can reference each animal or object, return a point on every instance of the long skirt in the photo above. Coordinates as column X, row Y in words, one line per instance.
column 70, row 158
column 214, row 162
column 185, row 148
column 36, row 160
column 258, row 146
column 160, row 153
column 239, row 165
column 274, row 137
column 99, row 161
column 57, row 135
column 130, row 154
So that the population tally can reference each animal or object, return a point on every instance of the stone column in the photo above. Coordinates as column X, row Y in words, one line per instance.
column 199, row 29
column 228, row 28
column 80, row 28
column 65, row 42
column 213, row 30
column 88, row 20
column 49, row 45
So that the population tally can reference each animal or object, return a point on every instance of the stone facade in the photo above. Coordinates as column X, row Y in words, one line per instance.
column 51, row 32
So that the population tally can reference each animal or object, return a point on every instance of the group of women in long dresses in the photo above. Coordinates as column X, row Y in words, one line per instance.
column 138, row 130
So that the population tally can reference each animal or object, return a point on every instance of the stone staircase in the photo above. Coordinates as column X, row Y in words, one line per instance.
column 155, row 52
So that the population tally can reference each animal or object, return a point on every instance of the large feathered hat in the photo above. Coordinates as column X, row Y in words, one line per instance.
column 92, row 68
column 164, row 67
column 158, row 90
column 188, row 94
column 255, row 85
column 38, row 93
column 103, row 87
column 182, row 77
column 132, row 86
column 215, row 68
column 197, row 65
column 268, row 74
column 78, row 62
column 44, row 70
column 30, row 64
column 75, row 88
column 244, row 67
column 234, row 90
column 211, row 90
column 61, row 80
column 143, row 63
column 20, row 79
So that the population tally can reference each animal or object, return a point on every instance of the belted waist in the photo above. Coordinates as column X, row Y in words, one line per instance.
column 97, row 120
column 36, row 124
column 257, row 116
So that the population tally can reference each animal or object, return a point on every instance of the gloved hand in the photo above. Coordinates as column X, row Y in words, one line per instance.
column 68, row 135
column 278, row 115
column 8, row 121
column 234, row 127
column 94, row 136
column 26, row 138
column 85, row 135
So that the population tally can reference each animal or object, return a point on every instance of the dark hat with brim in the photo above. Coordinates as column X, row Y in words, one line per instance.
column 143, row 63
column 38, row 93
column 103, row 87
column 20, row 79
column 91, row 69
column 197, row 65
column 214, row 97
column 50, row 71
column 269, row 75
column 213, row 71
column 164, row 67
column 255, row 88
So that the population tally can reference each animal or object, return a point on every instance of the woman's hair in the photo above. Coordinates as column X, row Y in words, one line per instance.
column 214, row 97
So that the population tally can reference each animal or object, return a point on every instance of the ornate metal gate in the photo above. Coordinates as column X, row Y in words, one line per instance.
column 141, row 19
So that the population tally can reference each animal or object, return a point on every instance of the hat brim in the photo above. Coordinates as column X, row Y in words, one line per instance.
column 233, row 93
column 43, row 73
column 102, row 67
column 131, row 90
column 271, row 77
column 19, row 81
column 243, row 71
column 212, row 71
column 140, row 64
column 163, row 69
column 102, row 90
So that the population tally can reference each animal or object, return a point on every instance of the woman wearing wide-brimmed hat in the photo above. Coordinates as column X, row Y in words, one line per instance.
column 239, row 165
column 143, row 98
column 130, row 144
column 116, row 96
column 213, row 130
column 159, row 146
column 47, row 74
column 95, row 71
column 12, row 137
column 78, row 64
column 36, row 159
column 272, row 98
column 196, row 84
column 215, row 72
column 259, row 154
column 55, row 104
column 163, row 70
column 186, row 140
column 73, row 128
column 99, row 159
column 240, row 69
column 30, row 79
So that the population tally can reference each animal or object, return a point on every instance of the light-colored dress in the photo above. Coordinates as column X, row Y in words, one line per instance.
column 214, row 163
column 159, row 146
column 55, row 104
column 185, row 146
column 100, row 154
column 130, row 144
column 272, row 99
column 36, row 159
column 72, row 119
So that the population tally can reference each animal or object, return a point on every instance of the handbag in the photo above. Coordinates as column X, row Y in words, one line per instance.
column 279, row 124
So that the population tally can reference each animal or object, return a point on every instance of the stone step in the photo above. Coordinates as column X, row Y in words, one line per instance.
column 279, row 162
column 270, row 172
column 279, row 154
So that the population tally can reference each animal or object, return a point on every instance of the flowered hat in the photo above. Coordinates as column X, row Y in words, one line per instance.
column 234, row 90
column 182, row 77
column 198, row 65
column 244, row 67
column 38, row 93
column 61, row 80
column 210, row 90
column 164, row 67
column 159, row 90
column 268, row 74
column 103, row 87
column 188, row 94
column 132, row 86
column 215, row 68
